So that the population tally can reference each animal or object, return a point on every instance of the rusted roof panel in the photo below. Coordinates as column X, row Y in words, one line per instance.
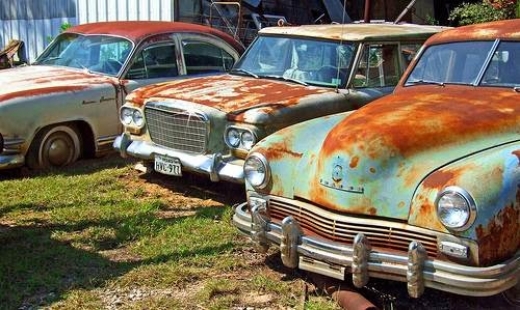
column 503, row 29
column 136, row 30
column 357, row 31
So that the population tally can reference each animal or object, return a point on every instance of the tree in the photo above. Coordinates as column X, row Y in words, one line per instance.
column 487, row 10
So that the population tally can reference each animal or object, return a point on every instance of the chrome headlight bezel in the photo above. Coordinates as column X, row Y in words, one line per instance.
column 444, row 205
column 239, row 138
column 132, row 117
column 257, row 171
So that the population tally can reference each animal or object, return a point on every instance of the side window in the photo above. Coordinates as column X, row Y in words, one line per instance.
column 202, row 57
column 153, row 62
column 379, row 66
column 408, row 52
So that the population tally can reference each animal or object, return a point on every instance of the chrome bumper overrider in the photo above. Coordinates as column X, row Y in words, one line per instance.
column 335, row 259
column 216, row 166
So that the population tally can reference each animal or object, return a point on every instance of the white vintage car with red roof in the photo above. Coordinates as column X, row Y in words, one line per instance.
column 66, row 105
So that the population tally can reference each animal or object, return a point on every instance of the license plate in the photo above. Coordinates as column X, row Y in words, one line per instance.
column 168, row 165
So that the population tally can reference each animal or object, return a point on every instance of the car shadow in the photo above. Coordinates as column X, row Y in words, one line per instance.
column 40, row 264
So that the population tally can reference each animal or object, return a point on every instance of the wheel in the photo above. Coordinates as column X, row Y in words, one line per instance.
column 56, row 146
column 512, row 295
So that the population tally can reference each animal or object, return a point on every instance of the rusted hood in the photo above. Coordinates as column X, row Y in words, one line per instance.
column 230, row 93
column 38, row 80
column 372, row 161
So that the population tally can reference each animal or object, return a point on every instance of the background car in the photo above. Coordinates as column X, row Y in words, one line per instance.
column 288, row 74
column 421, row 186
column 67, row 104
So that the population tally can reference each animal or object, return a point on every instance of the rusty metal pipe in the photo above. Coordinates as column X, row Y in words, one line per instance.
column 346, row 297
column 368, row 11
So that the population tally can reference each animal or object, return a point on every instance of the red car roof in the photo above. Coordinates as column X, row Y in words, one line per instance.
column 137, row 30
column 503, row 29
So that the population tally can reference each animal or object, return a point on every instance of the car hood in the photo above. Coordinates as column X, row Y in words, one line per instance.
column 372, row 161
column 232, row 94
column 27, row 81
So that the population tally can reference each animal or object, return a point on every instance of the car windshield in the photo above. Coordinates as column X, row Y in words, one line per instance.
column 471, row 63
column 97, row 53
column 304, row 61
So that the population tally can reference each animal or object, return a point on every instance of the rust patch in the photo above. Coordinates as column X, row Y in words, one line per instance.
column 504, row 29
column 354, row 161
column 425, row 117
column 517, row 154
column 229, row 93
column 500, row 239
column 41, row 91
column 439, row 179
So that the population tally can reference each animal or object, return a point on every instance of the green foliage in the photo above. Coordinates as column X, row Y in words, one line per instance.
column 486, row 11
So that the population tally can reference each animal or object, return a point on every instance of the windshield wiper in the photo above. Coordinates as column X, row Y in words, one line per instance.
column 240, row 70
column 423, row 82
column 277, row 77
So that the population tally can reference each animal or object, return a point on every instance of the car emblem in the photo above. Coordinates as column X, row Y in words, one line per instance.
column 337, row 173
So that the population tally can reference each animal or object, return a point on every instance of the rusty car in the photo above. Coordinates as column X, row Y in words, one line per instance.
column 289, row 74
column 66, row 104
column 421, row 186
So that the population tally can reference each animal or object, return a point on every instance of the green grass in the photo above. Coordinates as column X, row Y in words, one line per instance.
column 93, row 237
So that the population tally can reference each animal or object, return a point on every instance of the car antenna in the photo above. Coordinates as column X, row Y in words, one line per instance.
column 340, row 44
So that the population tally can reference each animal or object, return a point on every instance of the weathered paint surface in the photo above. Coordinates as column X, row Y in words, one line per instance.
column 236, row 95
column 402, row 139
column 139, row 30
column 503, row 29
column 45, row 80
column 356, row 31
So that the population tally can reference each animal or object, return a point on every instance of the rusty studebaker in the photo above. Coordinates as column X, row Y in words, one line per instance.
column 421, row 186
column 288, row 75
column 66, row 105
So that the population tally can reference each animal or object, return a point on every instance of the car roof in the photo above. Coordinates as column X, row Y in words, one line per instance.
column 137, row 30
column 357, row 31
column 508, row 29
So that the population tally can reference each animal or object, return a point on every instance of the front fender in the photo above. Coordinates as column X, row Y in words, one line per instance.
column 292, row 152
column 492, row 178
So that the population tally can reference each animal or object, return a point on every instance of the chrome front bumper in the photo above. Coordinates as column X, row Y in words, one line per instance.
column 11, row 161
column 336, row 259
column 216, row 166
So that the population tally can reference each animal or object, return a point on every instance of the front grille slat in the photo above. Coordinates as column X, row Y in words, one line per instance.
column 177, row 129
column 340, row 228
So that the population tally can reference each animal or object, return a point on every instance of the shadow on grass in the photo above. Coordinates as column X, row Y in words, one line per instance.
column 38, row 268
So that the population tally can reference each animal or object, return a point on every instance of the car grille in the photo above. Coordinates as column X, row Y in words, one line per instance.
column 177, row 129
column 343, row 229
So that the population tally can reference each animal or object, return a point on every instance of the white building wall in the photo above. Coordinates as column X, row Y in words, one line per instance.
column 35, row 22
column 90, row 11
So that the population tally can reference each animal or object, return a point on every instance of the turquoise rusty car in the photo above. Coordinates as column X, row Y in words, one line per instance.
column 66, row 104
column 287, row 75
column 421, row 186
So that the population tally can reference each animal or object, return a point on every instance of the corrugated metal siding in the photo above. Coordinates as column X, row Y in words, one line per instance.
column 34, row 22
column 102, row 10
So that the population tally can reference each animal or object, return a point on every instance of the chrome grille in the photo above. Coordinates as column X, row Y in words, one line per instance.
column 176, row 128
column 340, row 228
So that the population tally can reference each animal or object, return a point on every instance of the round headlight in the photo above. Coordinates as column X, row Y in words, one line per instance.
column 138, row 118
column 233, row 137
column 126, row 116
column 455, row 208
column 256, row 170
column 248, row 140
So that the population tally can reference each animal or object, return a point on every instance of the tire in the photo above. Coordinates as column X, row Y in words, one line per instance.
column 54, row 147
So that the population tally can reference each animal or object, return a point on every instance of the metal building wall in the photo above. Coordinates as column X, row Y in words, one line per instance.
column 102, row 10
column 35, row 22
